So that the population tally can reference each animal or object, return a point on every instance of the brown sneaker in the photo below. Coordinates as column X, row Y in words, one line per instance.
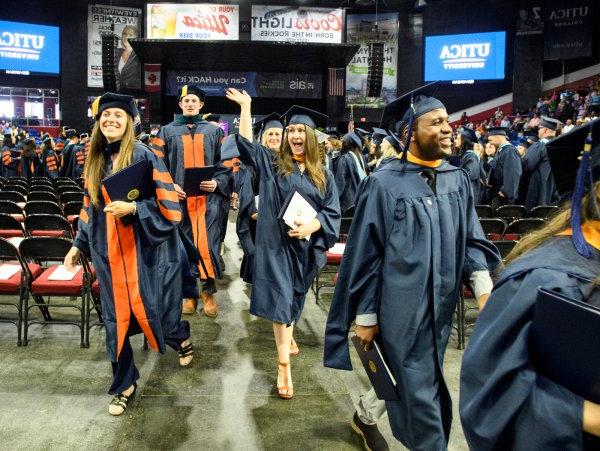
column 209, row 305
column 189, row 306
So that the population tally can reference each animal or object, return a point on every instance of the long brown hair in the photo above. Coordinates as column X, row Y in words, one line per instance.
column 93, row 170
column 555, row 225
column 313, row 164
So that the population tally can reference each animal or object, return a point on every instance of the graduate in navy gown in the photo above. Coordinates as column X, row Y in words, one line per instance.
column 505, row 170
column 137, row 261
column 30, row 161
column 50, row 162
column 541, row 189
column 470, row 160
column 269, row 132
column 414, row 239
column 66, row 165
column 504, row 402
column 10, row 162
column 286, row 263
column 350, row 170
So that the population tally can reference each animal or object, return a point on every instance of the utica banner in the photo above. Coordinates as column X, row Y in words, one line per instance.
column 202, row 21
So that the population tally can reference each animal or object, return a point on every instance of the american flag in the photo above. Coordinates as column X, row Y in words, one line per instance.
column 336, row 81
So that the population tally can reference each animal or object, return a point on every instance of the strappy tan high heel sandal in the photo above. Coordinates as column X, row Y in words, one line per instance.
column 285, row 391
column 294, row 349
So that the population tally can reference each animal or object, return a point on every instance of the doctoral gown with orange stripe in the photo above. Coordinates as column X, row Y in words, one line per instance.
column 180, row 149
column 138, row 266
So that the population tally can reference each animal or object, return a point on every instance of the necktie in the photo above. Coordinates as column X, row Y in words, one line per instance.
column 429, row 176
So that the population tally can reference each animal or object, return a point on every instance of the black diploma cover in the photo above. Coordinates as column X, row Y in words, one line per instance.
column 379, row 373
column 194, row 176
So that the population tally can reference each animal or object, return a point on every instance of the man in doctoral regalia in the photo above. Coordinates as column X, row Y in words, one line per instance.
column 541, row 189
column 188, row 142
column 506, row 169
column 414, row 239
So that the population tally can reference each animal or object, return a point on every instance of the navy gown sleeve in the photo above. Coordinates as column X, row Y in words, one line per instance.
column 532, row 157
column 504, row 402
column 222, row 173
column 341, row 174
column 159, row 215
column 511, row 175
column 329, row 216
column 470, row 163
column 480, row 253
column 357, row 287
column 255, row 155
column 82, row 241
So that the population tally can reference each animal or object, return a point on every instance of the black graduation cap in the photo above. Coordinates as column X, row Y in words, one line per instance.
column 548, row 122
column 469, row 134
column 301, row 115
column 379, row 133
column 334, row 134
column 113, row 100
column 70, row 133
column 210, row 117
column 497, row 131
column 187, row 90
column 269, row 121
column 575, row 161
column 414, row 103
column 47, row 140
column 394, row 141
column 353, row 138
column 531, row 136
column 361, row 132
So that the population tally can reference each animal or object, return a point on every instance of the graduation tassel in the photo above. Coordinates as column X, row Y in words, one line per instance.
column 409, row 129
column 582, row 175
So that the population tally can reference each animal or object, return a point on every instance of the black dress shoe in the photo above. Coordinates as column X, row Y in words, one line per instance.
column 370, row 435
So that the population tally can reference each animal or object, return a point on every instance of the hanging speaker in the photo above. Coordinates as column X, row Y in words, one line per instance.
column 375, row 73
column 110, row 72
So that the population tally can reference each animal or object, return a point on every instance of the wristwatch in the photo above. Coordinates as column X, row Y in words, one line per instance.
column 134, row 208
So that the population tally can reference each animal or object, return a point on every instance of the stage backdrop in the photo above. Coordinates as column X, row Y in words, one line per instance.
column 359, row 30
column 568, row 29
column 263, row 84
column 297, row 24
column 200, row 21
column 127, row 23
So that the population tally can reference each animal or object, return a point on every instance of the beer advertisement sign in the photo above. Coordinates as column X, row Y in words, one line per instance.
column 199, row 21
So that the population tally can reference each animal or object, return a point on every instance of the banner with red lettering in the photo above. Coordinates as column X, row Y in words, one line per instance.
column 297, row 24
column 200, row 21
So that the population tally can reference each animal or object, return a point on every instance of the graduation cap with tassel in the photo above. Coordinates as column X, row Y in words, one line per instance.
column 576, row 171
column 403, row 111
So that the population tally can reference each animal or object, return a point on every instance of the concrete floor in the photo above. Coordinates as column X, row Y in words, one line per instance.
column 53, row 394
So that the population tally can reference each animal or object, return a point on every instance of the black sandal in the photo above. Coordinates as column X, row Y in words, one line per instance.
column 121, row 401
column 184, row 352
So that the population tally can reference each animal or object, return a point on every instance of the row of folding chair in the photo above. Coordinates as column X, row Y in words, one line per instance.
column 27, row 270
column 515, row 211
column 35, row 225
column 498, row 229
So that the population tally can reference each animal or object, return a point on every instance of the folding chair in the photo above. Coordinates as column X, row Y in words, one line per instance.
column 14, row 196
column 493, row 227
column 511, row 212
column 14, row 281
column 542, row 211
column 18, row 180
column 10, row 226
column 61, row 189
column 11, row 208
column 48, row 225
column 46, row 196
column 41, row 184
column 504, row 247
column 48, row 250
column 70, row 196
column 334, row 259
column 80, row 182
column 2, row 181
column 484, row 211
column 522, row 226
column 42, row 207
column 22, row 190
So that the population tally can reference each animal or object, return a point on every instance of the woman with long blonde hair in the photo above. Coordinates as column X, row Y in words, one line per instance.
column 134, row 247
column 505, row 402
column 286, row 261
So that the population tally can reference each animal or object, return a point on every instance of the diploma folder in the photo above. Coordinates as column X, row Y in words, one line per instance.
column 131, row 183
column 565, row 343
column 381, row 377
column 297, row 207
column 194, row 176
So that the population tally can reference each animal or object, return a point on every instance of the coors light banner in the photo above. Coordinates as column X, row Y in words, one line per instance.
column 206, row 22
column 297, row 24
column 567, row 29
